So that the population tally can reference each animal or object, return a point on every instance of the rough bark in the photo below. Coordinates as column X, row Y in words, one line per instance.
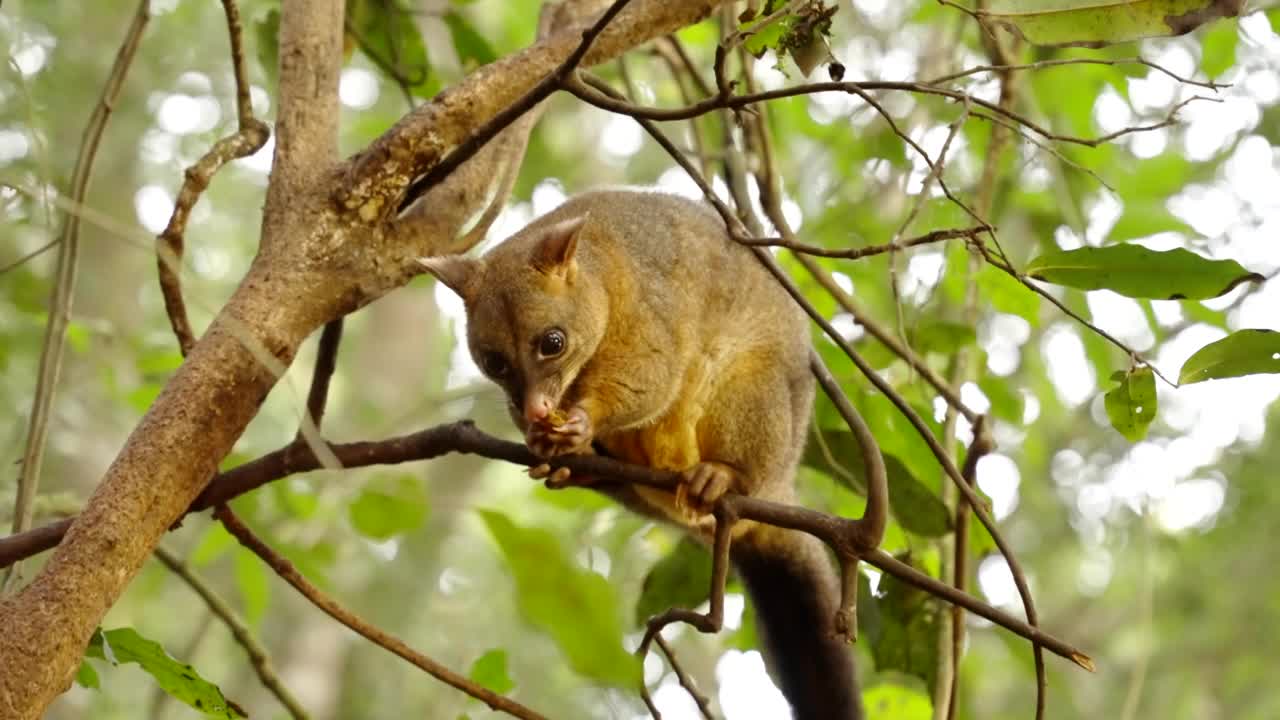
column 328, row 246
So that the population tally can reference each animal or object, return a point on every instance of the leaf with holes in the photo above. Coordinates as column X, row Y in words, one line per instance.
column 388, row 35
column 1137, row 272
column 179, row 680
column 1131, row 405
column 681, row 579
column 576, row 607
column 1246, row 352
column 1096, row 23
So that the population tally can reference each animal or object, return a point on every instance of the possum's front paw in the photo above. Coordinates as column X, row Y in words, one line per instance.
column 563, row 433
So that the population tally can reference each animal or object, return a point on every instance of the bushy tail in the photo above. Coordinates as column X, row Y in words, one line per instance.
column 795, row 591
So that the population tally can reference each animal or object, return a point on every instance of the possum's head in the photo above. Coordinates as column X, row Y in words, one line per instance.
column 534, row 317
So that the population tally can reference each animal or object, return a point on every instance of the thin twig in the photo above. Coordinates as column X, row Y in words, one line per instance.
column 60, row 296
column 858, row 253
column 326, row 363
column 250, row 136
column 240, row 632
column 536, row 94
column 28, row 257
column 862, row 90
column 686, row 682
column 381, row 638
column 1074, row 61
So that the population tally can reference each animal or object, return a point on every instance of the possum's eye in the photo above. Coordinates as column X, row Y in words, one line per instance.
column 551, row 343
column 493, row 364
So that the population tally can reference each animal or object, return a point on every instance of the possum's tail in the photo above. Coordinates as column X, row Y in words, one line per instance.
column 796, row 593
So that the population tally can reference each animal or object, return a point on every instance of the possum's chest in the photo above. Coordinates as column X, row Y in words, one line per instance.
column 670, row 442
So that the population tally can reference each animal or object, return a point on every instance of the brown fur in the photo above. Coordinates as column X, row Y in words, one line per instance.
column 681, row 351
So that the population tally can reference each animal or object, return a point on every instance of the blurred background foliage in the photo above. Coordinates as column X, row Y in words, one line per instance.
column 1152, row 556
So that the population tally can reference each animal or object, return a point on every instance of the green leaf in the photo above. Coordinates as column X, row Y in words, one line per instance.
column 681, row 579
column 1131, row 405
column 1218, row 49
column 1135, row 271
column 180, row 681
column 576, row 607
column 1246, row 352
column 473, row 50
column 1008, row 295
column 913, row 504
column 387, row 34
column 490, row 670
column 251, row 580
column 896, row 702
column 389, row 507
column 1105, row 22
column 87, row 677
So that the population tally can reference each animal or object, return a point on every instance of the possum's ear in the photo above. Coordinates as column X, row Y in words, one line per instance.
column 553, row 255
column 455, row 271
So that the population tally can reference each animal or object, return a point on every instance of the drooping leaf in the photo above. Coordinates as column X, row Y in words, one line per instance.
column 1105, row 22
column 576, row 607
column 1245, row 352
column 681, row 579
column 490, row 670
column 388, row 507
column 387, row 34
column 1131, row 405
column 473, row 50
column 1135, row 271
column 179, row 680
column 917, row 508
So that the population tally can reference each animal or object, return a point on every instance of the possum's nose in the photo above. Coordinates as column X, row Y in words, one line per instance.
column 537, row 407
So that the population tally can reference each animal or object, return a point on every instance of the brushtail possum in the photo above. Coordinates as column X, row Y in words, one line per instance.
column 631, row 322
